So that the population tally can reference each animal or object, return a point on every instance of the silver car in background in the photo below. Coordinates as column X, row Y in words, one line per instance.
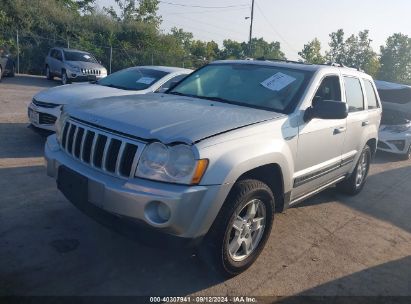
column 73, row 65
column 395, row 130
column 45, row 107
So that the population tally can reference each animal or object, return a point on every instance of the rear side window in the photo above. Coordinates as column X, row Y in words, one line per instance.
column 354, row 94
column 371, row 95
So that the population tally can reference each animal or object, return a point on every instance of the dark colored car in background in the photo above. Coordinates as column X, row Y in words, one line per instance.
column 7, row 65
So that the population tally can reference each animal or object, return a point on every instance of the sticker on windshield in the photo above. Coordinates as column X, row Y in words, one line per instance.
column 146, row 80
column 278, row 81
column 87, row 56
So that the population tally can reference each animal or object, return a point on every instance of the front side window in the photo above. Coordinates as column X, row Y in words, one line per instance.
column 251, row 85
column 79, row 56
column 371, row 95
column 135, row 79
column 329, row 89
column 354, row 94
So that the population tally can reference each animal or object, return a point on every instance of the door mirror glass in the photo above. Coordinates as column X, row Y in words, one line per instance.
column 326, row 109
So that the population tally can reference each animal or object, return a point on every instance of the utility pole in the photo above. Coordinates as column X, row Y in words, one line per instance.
column 18, row 52
column 251, row 28
column 111, row 56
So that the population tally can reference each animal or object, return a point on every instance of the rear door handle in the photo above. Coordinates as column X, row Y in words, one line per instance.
column 339, row 130
column 365, row 123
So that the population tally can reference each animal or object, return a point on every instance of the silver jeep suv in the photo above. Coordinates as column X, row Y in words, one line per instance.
column 215, row 157
column 73, row 65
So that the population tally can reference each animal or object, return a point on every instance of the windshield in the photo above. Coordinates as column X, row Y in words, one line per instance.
column 79, row 56
column 258, row 86
column 132, row 79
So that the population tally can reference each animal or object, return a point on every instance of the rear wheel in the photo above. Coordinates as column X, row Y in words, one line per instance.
column 241, row 228
column 1, row 73
column 49, row 76
column 354, row 184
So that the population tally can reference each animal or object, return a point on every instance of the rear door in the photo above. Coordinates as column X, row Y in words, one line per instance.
column 357, row 121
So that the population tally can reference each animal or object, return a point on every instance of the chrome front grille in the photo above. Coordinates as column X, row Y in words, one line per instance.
column 100, row 149
column 91, row 71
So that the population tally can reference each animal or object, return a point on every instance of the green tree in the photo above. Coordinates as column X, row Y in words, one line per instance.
column 232, row 49
column 263, row 49
column 132, row 10
column 396, row 59
column 337, row 47
column 311, row 53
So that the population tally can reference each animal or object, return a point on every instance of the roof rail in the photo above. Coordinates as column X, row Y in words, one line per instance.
column 281, row 60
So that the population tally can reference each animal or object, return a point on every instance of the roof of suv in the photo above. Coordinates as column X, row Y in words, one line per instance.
column 296, row 65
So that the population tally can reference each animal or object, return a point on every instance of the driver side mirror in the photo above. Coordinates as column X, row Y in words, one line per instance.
column 326, row 109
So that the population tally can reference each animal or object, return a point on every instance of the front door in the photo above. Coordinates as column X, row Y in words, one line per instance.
column 320, row 144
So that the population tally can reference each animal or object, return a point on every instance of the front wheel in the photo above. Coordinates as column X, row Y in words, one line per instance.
column 407, row 155
column 64, row 78
column 241, row 228
column 354, row 184
column 49, row 76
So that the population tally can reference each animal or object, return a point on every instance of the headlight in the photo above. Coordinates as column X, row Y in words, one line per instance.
column 175, row 164
column 74, row 68
column 59, row 125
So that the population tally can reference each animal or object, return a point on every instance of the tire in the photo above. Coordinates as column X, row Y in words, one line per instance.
column 49, row 76
column 407, row 156
column 355, row 183
column 1, row 73
column 235, row 227
column 12, row 72
column 64, row 78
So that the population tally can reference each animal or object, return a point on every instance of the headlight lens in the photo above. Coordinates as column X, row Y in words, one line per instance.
column 74, row 68
column 175, row 164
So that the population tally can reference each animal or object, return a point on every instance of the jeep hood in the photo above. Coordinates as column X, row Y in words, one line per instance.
column 73, row 93
column 167, row 118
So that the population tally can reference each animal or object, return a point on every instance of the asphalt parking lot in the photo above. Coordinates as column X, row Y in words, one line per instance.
column 329, row 245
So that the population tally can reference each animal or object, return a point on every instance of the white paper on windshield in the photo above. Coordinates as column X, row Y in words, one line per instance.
column 87, row 56
column 278, row 81
column 146, row 80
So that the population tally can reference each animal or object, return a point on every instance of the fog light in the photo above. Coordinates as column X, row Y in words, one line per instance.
column 157, row 212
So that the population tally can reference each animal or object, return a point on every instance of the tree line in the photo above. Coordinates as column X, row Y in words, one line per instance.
column 130, row 34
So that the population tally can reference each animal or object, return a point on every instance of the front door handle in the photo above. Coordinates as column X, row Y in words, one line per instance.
column 339, row 130
column 365, row 123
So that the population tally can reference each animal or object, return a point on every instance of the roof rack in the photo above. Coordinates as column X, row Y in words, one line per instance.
column 281, row 60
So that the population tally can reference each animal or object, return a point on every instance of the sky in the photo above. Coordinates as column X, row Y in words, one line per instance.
column 291, row 22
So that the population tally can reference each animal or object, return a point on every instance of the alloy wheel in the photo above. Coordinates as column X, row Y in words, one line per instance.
column 247, row 230
column 362, row 170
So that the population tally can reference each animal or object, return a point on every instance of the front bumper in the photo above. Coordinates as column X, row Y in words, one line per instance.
column 43, row 118
column 78, row 76
column 192, row 208
column 397, row 143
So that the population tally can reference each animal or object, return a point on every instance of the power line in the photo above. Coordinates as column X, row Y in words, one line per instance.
column 215, row 11
column 278, row 34
column 200, row 6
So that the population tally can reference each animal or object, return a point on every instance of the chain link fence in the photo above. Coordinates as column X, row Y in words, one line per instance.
column 29, row 52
